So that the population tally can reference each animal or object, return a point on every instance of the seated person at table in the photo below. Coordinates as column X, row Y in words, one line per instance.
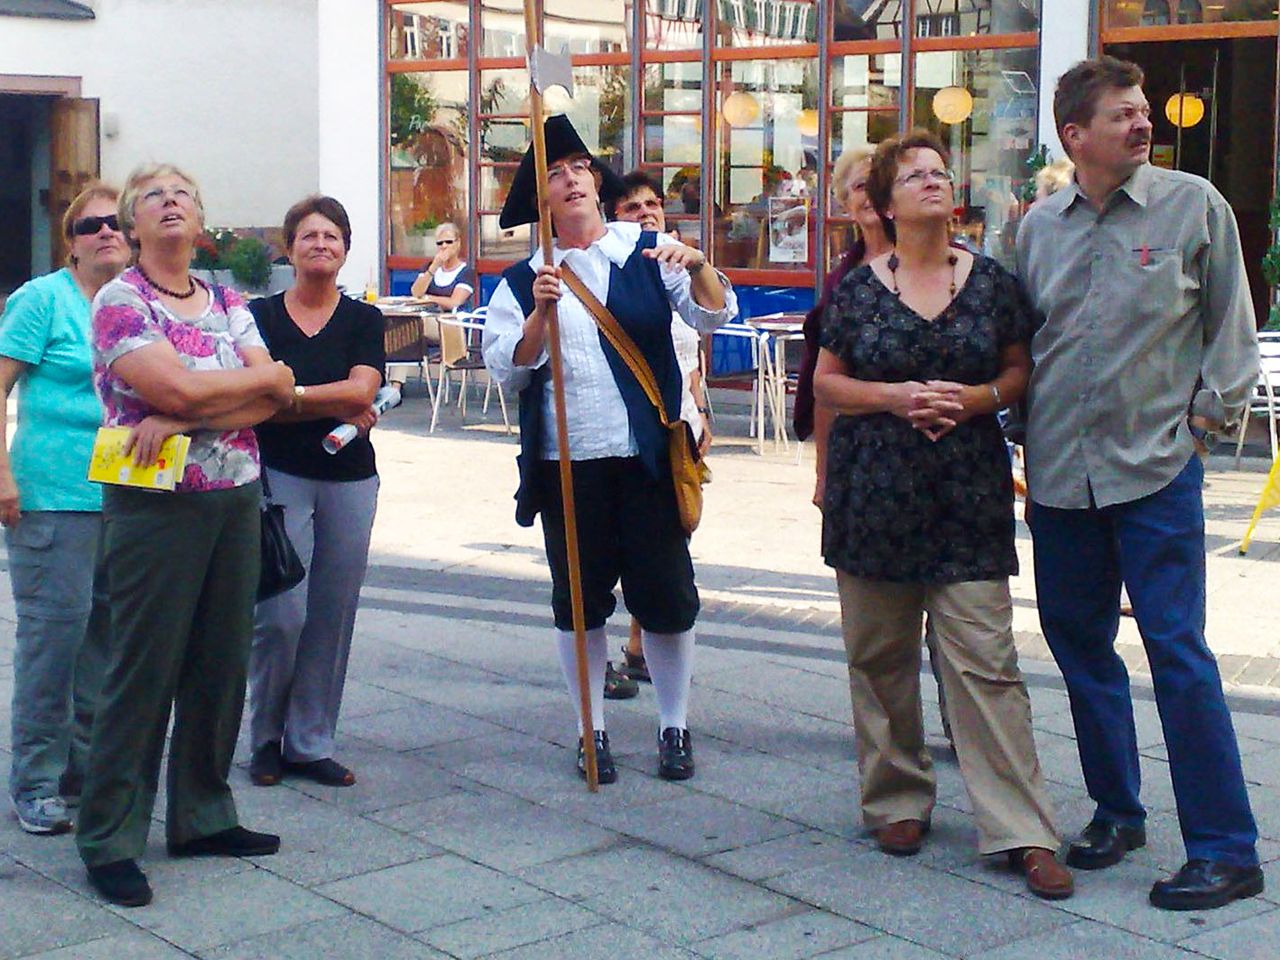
column 447, row 282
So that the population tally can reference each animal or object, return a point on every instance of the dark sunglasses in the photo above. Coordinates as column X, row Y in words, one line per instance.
column 88, row 226
column 444, row 243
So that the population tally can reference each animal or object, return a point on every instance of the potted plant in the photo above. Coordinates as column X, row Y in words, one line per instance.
column 419, row 237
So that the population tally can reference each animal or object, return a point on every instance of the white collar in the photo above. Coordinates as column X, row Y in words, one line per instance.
column 617, row 244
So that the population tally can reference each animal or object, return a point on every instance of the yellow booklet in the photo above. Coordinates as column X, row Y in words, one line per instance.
column 110, row 464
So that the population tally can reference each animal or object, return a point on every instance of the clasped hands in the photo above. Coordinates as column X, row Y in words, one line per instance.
column 934, row 407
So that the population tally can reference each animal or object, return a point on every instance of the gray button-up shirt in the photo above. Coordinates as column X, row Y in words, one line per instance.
column 1139, row 302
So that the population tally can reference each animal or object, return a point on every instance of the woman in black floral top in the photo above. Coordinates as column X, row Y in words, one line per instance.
column 920, row 349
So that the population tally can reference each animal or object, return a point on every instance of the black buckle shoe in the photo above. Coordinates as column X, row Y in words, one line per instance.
column 675, row 754
column 1204, row 885
column 121, row 882
column 606, row 772
column 1103, row 843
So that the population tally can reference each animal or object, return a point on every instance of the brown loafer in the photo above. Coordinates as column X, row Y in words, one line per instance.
column 902, row 839
column 1046, row 877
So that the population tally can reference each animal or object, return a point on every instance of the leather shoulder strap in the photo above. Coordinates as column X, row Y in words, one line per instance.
column 619, row 338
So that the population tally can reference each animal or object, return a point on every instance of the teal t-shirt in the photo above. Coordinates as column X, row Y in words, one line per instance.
column 46, row 324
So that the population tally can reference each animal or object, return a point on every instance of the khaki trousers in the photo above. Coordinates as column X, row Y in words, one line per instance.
column 986, row 699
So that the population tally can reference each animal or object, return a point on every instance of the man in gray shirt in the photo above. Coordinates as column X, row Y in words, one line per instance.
column 1147, row 339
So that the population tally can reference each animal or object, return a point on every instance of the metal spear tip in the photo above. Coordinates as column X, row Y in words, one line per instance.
column 547, row 70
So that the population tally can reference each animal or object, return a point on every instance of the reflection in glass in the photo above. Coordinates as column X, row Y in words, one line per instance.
column 435, row 30
column 1157, row 13
column 583, row 26
column 673, row 106
column 866, row 19
column 990, row 148
column 766, row 23
column 427, row 126
column 967, row 18
column 766, row 167
column 673, row 24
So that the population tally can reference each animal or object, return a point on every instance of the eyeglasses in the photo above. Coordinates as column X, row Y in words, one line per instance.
column 159, row 194
column 88, row 226
column 559, row 171
column 919, row 177
column 444, row 243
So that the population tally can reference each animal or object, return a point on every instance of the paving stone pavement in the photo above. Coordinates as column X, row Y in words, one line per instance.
column 469, row 836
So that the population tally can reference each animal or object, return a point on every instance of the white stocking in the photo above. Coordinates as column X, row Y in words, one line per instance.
column 669, row 657
column 597, row 654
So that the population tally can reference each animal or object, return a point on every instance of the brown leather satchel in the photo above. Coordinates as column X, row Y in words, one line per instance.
column 688, row 470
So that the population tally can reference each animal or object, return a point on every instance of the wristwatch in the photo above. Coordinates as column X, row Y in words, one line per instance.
column 299, row 392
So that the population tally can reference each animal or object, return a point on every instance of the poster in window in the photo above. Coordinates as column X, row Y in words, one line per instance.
column 788, row 229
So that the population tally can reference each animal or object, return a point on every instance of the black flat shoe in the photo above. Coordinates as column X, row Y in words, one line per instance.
column 675, row 754
column 1204, row 885
column 327, row 772
column 606, row 772
column 265, row 768
column 121, row 882
column 236, row 842
column 1103, row 843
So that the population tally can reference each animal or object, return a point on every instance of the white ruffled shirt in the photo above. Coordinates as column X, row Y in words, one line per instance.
column 596, row 412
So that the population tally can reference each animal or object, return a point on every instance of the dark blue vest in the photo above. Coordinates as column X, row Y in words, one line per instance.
column 638, row 300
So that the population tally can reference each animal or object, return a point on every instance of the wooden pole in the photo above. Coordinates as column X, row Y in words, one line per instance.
column 533, row 38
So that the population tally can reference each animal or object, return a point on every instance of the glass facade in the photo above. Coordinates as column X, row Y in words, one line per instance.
column 1162, row 13
column 738, row 107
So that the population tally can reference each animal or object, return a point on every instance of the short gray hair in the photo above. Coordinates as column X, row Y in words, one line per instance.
column 133, row 187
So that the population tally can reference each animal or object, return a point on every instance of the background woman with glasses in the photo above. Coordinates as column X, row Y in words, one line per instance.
column 920, row 349
column 53, row 515
column 447, row 282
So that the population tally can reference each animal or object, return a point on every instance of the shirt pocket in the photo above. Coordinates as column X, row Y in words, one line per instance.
column 1159, row 281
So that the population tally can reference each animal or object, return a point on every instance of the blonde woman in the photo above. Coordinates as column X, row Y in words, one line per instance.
column 171, row 354
column 53, row 515
column 871, row 237
column 447, row 282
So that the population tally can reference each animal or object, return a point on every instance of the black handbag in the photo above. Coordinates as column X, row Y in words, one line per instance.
column 282, row 568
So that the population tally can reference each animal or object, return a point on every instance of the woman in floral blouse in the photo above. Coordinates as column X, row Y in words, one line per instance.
column 920, row 349
column 173, row 355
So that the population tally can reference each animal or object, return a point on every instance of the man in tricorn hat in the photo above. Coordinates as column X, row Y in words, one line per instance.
column 628, row 522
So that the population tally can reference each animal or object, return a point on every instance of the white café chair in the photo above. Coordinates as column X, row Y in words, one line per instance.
column 460, row 352
column 1263, row 401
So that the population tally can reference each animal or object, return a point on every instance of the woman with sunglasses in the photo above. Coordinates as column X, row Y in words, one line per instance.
column 921, row 348
column 53, row 515
column 447, row 282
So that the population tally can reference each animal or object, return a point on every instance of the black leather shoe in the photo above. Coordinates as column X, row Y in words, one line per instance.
column 1203, row 885
column 675, row 754
column 236, row 842
column 121, row 882
column 1103, row 843
column 606, row 772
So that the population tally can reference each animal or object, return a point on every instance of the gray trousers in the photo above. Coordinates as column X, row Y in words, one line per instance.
column 302, row 638
column 59, row 590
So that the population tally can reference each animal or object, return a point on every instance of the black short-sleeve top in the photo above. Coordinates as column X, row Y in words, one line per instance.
column 444, row 283
column 899, row 506
column 352, row 337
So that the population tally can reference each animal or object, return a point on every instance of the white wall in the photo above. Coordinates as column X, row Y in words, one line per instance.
column 1064, row 41
column 350, row 145
column 227, row 89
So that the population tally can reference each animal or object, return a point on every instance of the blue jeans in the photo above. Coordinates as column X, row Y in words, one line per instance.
column 1155, row 546
column 58, row 579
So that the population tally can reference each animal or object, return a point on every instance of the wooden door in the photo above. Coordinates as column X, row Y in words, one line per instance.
column 75, row 160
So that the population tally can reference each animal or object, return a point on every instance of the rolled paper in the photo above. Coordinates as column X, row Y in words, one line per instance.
column 337, row 438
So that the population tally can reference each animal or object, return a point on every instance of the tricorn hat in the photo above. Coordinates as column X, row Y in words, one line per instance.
column 563, row 141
